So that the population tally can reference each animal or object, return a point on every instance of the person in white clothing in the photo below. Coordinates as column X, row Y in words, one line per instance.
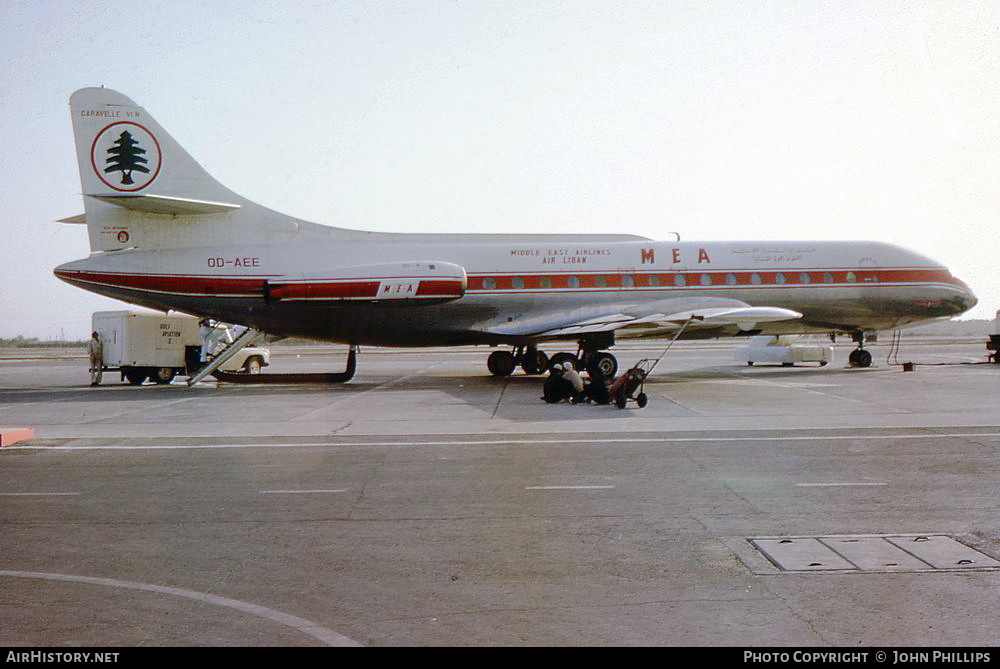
column 573, row 377
column 205, row 331
column 95, row 351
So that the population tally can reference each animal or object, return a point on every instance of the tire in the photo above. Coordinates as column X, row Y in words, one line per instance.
column 135, row 375
column 253, row 365
column 603, row 362
column 562, row 359
column 642, row 400
column 501, row 363
column 163, row 375
column 860, row 358
column 535, row 364
column 621, row 401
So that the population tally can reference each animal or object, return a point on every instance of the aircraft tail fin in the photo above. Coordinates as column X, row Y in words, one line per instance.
column 134, row 175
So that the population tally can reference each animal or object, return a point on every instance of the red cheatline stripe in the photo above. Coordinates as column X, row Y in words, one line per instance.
column 189, row 285
column 236, row 287
column 716, row 279
column 317, row 291
column 440, row 288
column 435, row 287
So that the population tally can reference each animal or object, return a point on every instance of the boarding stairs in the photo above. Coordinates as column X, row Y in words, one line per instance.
column 246, row 339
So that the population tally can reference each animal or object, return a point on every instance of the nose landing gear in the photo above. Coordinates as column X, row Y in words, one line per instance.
column 859, row 357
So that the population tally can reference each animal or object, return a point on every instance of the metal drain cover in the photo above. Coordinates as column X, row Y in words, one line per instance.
column 872, row 553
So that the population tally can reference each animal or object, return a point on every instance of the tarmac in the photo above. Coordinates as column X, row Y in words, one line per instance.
column 426, row 503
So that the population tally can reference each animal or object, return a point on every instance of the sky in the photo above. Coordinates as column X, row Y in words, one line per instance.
column 718, row 120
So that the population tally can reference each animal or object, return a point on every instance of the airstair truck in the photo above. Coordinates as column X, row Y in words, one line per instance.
column 150, row 345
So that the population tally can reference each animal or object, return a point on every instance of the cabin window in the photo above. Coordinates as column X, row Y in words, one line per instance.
column 653, row 280
column 755, row 279
column 545, row 282
column 489, row 283
column 573, row 282
column 827, row 277
column 601, row 281
column 628, row 281
column 804, row 277
column 852, row 277
column 779, row 279
column 731, row 279
column 706, row 279
column 679, row 280
column 517, row 283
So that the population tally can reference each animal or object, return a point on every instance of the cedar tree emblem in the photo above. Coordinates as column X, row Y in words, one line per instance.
column 125, row 156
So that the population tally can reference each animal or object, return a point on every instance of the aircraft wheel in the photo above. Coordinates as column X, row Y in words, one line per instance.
column 860, row 358
column 501, row 363
column 163, row 375
column 563, row 358
column 642, row 400
column 603, row 362
column 535, row 362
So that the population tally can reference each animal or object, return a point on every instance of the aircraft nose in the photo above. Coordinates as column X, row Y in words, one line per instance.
column 966, row 298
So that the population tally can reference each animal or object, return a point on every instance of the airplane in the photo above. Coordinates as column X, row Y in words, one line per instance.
column 166, row 235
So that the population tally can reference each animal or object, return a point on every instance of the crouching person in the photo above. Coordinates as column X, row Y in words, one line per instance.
column 557, row 388
column 575, row 382
column 597, row 390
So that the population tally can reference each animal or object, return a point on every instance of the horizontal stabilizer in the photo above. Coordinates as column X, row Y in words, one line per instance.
column 162, row 204
column 79, row 218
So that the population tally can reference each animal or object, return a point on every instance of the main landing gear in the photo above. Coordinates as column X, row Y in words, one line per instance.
column 530, row 359
column 859, row 357
column 533, row 361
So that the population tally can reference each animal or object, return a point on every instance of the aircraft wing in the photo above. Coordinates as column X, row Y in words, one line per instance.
column 660, row 317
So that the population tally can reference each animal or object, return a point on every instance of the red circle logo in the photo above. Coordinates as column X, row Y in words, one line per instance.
column 125, row 156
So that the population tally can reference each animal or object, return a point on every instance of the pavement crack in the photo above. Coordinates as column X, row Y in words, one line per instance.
column 503, row 390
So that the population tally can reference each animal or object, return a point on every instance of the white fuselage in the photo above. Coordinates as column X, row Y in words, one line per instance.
column 165, row 234
column 517, row 286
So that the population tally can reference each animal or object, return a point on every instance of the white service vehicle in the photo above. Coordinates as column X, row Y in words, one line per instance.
column 785, row 350
column 149, row 345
